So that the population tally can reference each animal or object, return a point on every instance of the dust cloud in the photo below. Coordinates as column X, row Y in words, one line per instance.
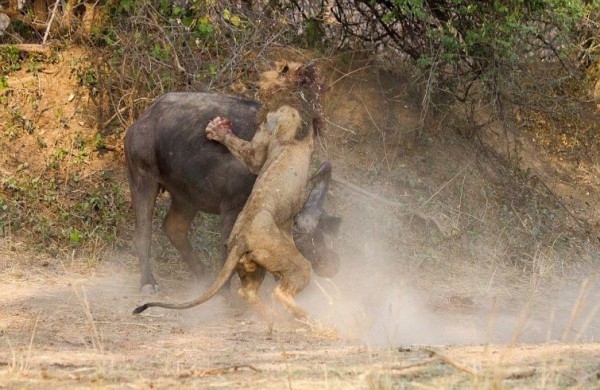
column 115, row 286
column 381, row 301
column 376, row 305
column 381, row 308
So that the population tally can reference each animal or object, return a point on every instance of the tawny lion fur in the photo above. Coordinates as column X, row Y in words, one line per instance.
column 280, row 153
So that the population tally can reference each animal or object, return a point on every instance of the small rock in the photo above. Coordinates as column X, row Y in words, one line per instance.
column 4, row 23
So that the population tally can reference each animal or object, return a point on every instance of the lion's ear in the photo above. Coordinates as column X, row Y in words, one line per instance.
column 284, row 69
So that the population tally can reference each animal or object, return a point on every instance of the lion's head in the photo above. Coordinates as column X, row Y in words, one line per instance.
column 294, row 84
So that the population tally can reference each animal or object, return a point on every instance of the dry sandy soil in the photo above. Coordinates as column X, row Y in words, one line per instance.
column 456, row 272
column 64, row 325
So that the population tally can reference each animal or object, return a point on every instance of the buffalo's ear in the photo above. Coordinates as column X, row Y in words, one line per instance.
column 330, row 223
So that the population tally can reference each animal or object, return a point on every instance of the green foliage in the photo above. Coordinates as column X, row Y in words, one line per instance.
column 314, row 33
column 34, row 66
column 147, row 48
column 10, row 59
column 460, row 42
column 160, row 52
column 232, row 18
column 59, row 213
column 86, row 76
column 192, row 15
column 75, row 237
column 203, row 26
column 55, row 204
column 125, row 6
column 478, row 34
column 482, row 52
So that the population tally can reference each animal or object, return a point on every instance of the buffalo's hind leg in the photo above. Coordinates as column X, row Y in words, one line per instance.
column 176, row 226
column 144, row 190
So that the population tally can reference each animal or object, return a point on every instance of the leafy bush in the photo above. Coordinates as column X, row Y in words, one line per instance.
column 147, row 48
column 480, row 52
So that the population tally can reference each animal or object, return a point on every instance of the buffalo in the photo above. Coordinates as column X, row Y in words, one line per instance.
column 167, row 149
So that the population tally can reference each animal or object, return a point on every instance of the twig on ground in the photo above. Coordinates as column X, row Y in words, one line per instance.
column 444, row 185
column 339, row 126
column 218, row 371
column 430, row 219
column 123, row 323
column 381, row 132
column 453, row 363
column 114, row 116
column 521, row 374
column 320, row 286
column 29, row 47
column 50, row 22
column 418, row 364
column 348, row 74
column 561, row 203
column 364, row 192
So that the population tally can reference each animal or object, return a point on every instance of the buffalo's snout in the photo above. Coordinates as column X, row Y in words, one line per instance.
column 325, row 262
column 312, row 224
column 327, row 265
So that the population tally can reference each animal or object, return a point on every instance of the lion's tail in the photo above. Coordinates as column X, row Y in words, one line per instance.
column 226, row 271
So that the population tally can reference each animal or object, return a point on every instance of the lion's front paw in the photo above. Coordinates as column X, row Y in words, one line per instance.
column 218, row 128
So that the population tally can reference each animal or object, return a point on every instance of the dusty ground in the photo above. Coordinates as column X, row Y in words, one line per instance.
column 457, row 271
column 65, row 325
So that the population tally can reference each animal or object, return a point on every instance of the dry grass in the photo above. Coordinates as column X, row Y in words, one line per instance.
column 75, row 330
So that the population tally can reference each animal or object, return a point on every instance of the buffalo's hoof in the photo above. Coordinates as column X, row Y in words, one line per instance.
column 150, row 289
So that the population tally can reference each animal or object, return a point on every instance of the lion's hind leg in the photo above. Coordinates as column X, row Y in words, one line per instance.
column 293, row 280
column 276, row 252
column 251, row 276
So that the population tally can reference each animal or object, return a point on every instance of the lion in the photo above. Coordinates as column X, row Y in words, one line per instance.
column 280, row 153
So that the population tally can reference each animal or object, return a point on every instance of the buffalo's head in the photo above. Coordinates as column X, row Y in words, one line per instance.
column 312, row 223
